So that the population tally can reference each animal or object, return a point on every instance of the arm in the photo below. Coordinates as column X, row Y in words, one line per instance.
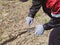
column 36, row 4
column 55, row 12
column 52, row 24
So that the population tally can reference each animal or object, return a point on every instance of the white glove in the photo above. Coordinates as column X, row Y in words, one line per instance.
column 39, row 30
column 29, row 20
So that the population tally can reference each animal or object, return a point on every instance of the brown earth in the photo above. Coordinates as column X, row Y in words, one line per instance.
column 13, row 28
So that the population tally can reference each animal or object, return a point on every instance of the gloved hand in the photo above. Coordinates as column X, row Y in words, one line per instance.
column 39, row 30
column 29, row 20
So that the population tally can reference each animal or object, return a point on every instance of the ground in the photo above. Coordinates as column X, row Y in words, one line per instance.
column 13, row 27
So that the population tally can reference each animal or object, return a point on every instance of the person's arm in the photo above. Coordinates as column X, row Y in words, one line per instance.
column 52, row 24
column 36, row 4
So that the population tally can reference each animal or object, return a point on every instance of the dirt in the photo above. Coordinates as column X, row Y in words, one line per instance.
column 13, row 27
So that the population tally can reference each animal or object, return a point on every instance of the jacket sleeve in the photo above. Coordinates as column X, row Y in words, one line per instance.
column 36, row 4
column 52, row 24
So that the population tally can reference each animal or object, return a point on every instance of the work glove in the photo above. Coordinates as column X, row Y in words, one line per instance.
column 39, row 30
column 29, row 20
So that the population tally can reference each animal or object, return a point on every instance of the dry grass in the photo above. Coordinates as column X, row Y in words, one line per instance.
column 12, row 22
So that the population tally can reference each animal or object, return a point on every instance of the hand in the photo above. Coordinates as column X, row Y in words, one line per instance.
column 29, row 20
column 39, row 30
